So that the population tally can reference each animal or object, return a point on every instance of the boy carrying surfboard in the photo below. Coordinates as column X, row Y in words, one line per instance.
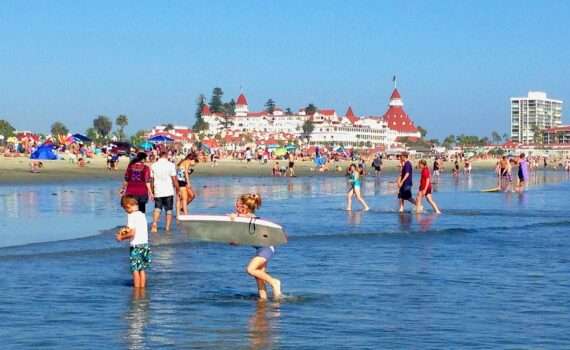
column 246, row 205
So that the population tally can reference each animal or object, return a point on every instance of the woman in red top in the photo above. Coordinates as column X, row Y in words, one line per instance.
column 137, row 181
column 425, row 189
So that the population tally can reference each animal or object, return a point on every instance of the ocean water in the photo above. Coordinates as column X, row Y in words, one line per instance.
column 491, row 272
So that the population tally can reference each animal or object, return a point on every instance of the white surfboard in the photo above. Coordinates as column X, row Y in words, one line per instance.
column 240, row 230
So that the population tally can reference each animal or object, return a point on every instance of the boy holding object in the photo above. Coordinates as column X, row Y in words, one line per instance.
column 137, row 231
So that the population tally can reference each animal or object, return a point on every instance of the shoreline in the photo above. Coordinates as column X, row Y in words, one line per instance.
column 15, row 171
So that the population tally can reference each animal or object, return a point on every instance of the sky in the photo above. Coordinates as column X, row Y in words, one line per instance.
column 457, row 62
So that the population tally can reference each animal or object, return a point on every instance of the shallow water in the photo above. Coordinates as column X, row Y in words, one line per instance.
column 491, row 272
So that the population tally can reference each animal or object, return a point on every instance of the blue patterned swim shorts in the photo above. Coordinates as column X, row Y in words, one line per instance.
column 140, row 257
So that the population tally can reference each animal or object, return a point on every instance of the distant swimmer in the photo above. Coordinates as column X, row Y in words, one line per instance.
column 404, row 182
column 246, row 205
column 425, row 189
column 355, row 175
column 436, row 167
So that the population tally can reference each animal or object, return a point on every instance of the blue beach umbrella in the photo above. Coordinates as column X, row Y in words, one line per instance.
column 160, row 138
column 80, row 138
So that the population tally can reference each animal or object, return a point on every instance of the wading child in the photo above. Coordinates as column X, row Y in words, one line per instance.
column 425, row 189
column 137, row 231
column 404, row 182
column 354, row 180
column 246, row 205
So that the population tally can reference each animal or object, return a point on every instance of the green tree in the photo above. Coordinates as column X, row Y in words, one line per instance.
column 6, row 129
column 169, row 127
column 200, row 124
column 311, row 109
column 537, row 135
column 58, row 128
column 270, row 106
column 448, row 141
column 230, row 108
column 434, row 142
column 103, row 125
column 138, row 138
column 288, row 111
column 496, row 137
column 505, row 136
column 422, row 131
column 121, row 122
column 92, row 134
column 308, row 128
column 216, row 103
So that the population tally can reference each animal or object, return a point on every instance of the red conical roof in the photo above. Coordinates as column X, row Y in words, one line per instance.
column 241, row 100
column 350, row 115
column 397, row 118
column 395, row 94
column 205, row 110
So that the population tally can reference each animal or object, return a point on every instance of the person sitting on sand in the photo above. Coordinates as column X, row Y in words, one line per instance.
column 246, row 205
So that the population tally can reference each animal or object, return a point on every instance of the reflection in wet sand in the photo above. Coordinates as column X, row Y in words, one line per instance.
column 262, row 325
column 137, row 319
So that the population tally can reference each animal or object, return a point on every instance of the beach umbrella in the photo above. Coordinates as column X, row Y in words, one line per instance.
column 272, row 146
column 80, row 138
column 146, row 145
column 280, row 151
column 160, row 138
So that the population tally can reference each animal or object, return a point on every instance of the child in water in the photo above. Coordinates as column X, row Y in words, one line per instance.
column 425, row 189
column 137, row 231
column 246, row 205
column 354, row 175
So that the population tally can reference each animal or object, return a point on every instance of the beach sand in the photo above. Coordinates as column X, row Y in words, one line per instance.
column 17, row 170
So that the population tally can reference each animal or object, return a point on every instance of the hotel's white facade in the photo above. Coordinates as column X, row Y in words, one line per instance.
column 534, row 112
column 329, row 127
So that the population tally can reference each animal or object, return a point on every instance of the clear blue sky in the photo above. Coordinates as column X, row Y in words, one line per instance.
column 457, row 62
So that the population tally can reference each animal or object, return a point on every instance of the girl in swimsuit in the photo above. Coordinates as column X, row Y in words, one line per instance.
column 355, row 184
column 257, row 267
column 186, row 194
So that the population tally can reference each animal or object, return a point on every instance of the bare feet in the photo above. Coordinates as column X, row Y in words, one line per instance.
column 366, row 208
column 348, row 209
column 154, row 227
column 276, row 289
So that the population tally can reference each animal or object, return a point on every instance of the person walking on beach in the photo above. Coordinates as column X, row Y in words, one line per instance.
column 377, row 164
column 246, row 205
column 404, row 182
column 137, row 181
column 137, row 231
column 354, row 180
column 425, row 189
column 165, row 186
column 185, row 194
column 522, row 172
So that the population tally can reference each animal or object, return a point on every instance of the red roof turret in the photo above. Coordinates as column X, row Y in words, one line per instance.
column 395, row 95
column 241, row 100
column 350, row 115
column 205, row 109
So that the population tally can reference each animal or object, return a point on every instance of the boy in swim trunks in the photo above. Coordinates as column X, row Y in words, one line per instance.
column 257, row 267
column 137, row 231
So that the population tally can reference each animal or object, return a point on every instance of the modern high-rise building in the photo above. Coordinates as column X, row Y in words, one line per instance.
column 532, row 114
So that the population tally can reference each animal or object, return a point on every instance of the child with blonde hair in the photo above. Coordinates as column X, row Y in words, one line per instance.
column 246, row 205
column 137, row 231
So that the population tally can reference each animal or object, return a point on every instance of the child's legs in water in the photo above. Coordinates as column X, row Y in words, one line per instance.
column 430, row 200
column 139, row 279
column 359, row 198
column 349, row 199
column 257, row 268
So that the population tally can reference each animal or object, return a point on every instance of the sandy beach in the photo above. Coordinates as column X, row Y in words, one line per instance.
column 17, row 170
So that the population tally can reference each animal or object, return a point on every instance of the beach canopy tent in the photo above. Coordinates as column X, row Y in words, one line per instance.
column 44, row 152
column 160, row 138
column 80, row 138
column 147, row 146
column 291, row 148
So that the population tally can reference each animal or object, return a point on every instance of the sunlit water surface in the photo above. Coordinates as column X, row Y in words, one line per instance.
column 491, row 272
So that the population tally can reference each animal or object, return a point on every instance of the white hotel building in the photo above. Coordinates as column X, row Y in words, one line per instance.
column 534, row 112
column 329, row 127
